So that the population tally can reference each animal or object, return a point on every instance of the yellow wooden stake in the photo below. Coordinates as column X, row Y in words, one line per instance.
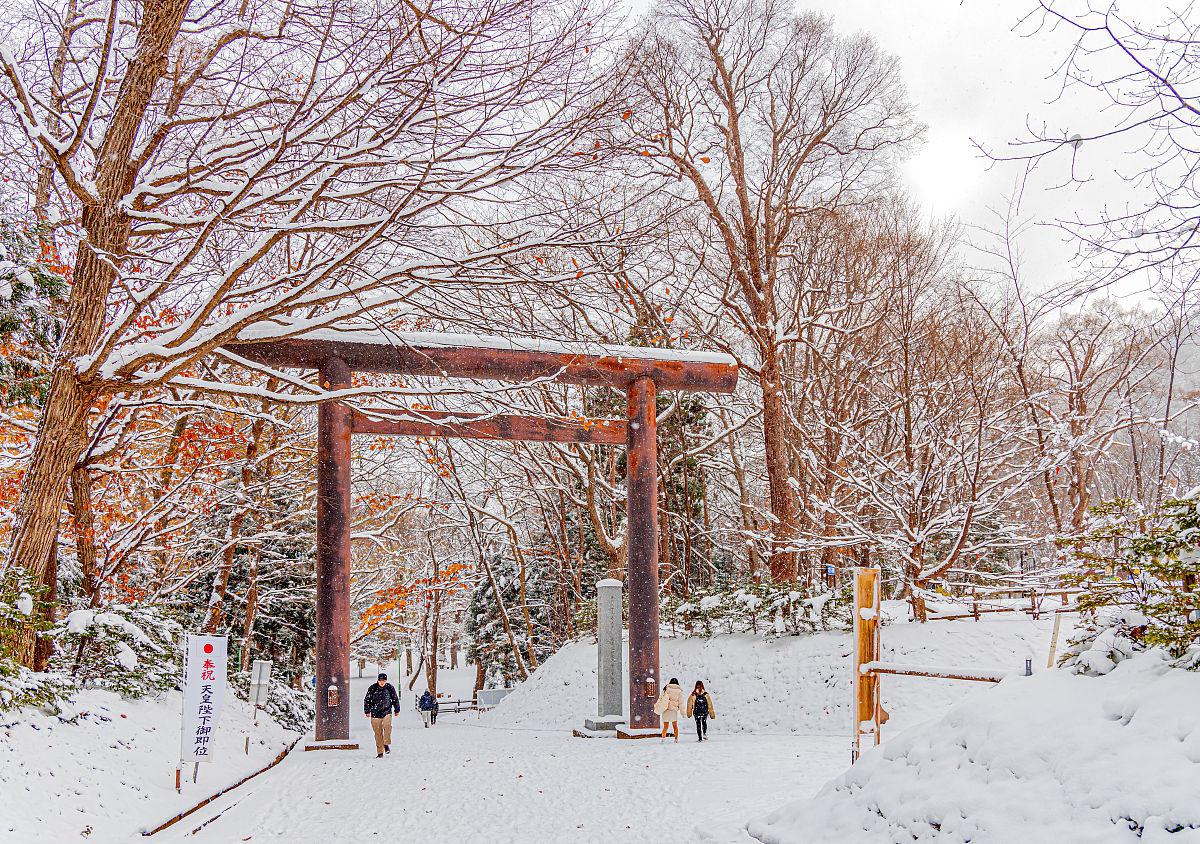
column 866, row 650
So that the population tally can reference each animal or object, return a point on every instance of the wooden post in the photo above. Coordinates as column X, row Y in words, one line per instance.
column 866, row 649
column 333, row 558
column 1034, row 604
column 642, row 532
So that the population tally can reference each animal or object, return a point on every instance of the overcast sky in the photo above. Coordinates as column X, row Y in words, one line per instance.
column 973, row 71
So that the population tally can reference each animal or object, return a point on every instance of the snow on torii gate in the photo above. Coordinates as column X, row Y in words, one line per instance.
column 640, row 372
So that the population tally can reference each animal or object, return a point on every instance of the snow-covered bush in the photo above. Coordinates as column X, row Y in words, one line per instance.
column 19, row 613
column 1141, row 581
column 132, row 650
column 760, row 607
column 20, row 687
column 291, row 708
column 20, row 616
column 770, row 609
column 1114, row 634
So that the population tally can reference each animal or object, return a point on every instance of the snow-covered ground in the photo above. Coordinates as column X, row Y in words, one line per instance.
column 470, row 780
column 1056, row 757
column 464, row 781
column 516, row 774
column 111, row 773
column 1049, row 758
column 797, row 685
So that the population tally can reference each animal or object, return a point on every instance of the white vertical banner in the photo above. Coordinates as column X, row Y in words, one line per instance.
column 204, row 676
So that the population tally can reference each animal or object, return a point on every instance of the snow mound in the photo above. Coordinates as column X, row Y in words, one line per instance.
column 796, row 685
column 105, row 768
column 1049, row 758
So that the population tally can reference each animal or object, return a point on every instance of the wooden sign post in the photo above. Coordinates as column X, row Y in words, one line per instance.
column 866, row 652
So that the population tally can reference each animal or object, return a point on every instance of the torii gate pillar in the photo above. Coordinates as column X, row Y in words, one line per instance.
column 333, row 558
column 642, row 532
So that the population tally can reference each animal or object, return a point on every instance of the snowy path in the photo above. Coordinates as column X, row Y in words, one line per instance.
column 463, row 781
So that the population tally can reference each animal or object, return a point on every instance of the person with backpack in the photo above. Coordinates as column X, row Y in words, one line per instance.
column 429, row 708
column 379, row 704
column 669, row 706
column 700, row 706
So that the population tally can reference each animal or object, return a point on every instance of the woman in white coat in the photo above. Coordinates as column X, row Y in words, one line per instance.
column 669, row 706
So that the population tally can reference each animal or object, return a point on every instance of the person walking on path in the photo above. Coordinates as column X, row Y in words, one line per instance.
column 379, row 705
column 700, row 706
column 429, row 708
column 669, row 706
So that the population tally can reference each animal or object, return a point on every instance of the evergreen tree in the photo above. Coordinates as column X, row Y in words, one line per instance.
column 490, row 643
column 33, row 290
column 1139, row 574
column 685, row 548
column 281, row 534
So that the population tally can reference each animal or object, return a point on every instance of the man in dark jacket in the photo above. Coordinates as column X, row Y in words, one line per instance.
column 379, row 704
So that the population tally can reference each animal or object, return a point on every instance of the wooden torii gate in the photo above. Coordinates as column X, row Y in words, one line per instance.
column 640, row 372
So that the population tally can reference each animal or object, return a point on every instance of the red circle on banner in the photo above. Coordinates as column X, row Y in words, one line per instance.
column 208, row 648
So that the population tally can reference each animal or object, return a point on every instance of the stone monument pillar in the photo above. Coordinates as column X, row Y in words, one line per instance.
column 609, row 662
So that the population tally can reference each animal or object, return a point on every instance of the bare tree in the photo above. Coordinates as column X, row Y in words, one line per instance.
column 1130, row 69
column 227, row 165
column 760, row 118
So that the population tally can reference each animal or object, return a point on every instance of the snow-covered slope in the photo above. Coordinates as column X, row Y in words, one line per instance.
column 1051, row 758
column 791, row 685
column 111, row 773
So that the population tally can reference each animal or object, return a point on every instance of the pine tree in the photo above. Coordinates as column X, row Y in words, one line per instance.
column 284, row 629
column 685, row 549
column 490, row 644
column 33, row 289
column 1139, row 574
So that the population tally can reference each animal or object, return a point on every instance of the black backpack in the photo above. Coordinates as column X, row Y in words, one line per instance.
column 700, row 706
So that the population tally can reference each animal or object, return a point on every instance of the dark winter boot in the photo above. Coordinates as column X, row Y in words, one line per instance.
column 387, row 748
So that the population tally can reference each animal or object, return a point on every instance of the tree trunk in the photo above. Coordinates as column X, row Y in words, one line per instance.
column 61, row 441
column 251, row 608
column 85, row 533
column 745, row 507
column 529, row 636
column 918, row 604
column 43, row 647
column 420, row 664
column 165, row 477
column 45, row 173
column 784, row 508
column 62, row 434
column 431, row 662
column 480, row 679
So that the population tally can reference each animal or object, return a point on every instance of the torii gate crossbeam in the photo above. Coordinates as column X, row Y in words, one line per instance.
column 640, row 372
